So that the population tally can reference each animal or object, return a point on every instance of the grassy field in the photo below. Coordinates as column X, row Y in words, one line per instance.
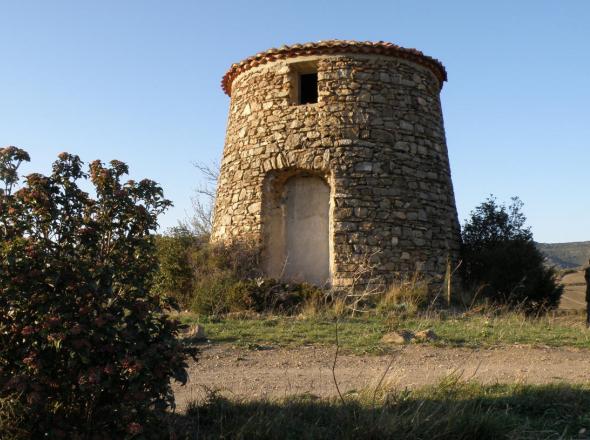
column 363, row 334
column 453, row 409
column 449, row 410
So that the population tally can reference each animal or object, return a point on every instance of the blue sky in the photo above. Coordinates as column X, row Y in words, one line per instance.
column 139, row 81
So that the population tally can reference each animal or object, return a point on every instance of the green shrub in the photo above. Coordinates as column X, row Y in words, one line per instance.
column 218, row 278
column 174, row 276
column 241, row 259
column 501, row 259
column 224, row 275
column 83, row 343
column 225, row 294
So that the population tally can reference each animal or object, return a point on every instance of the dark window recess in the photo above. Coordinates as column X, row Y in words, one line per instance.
column 308, row 88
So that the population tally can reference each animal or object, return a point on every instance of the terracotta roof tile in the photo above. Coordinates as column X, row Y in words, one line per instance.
column 333, row 47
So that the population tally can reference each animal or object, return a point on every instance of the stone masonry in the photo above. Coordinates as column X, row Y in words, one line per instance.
column 375, row 136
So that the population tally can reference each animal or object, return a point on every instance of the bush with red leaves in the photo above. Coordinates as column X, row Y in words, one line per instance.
column 84, row 345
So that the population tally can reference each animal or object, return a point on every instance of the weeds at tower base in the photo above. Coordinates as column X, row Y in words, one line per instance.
column 215, row 279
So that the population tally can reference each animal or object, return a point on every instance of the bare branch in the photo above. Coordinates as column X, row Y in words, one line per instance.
column 334, row 364
column 200, row 221
column 392, row 358
column 209, row 172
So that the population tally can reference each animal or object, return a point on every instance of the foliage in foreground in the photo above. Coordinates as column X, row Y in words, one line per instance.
column 501, row 258
column 449, row 410
column 13, row 415
column 84, row 345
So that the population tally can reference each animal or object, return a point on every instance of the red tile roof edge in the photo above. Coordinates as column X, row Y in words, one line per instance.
column 333, row 47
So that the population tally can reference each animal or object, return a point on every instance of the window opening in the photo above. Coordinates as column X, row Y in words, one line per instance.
column 308, row 88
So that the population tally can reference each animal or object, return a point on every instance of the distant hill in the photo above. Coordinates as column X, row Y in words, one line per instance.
column 566, row 255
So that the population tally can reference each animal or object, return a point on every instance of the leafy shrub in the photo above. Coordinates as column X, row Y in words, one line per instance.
column 501, row 259
column 205, row 277
column 83, row 343
column 219, row 278
column 220, row 294
column 175, row 276
column 228, row 279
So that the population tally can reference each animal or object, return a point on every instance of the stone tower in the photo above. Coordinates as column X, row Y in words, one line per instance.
column 335, row 163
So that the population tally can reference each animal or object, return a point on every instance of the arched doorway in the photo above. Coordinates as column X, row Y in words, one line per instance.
column 298, row 230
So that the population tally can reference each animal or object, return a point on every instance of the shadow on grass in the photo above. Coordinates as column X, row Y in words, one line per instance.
column 450, row 410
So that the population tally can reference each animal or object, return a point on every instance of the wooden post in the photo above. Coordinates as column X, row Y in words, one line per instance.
column 587, row 278
column 448, row 278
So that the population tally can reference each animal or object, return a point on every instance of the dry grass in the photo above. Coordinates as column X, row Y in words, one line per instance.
column 405, row 296
column 450, row 410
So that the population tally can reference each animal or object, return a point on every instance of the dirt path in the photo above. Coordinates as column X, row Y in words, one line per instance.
column 282, row 372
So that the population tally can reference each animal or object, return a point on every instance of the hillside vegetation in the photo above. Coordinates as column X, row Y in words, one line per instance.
column 566, row 255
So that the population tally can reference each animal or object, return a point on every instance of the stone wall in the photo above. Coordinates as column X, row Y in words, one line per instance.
column 375, row 135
